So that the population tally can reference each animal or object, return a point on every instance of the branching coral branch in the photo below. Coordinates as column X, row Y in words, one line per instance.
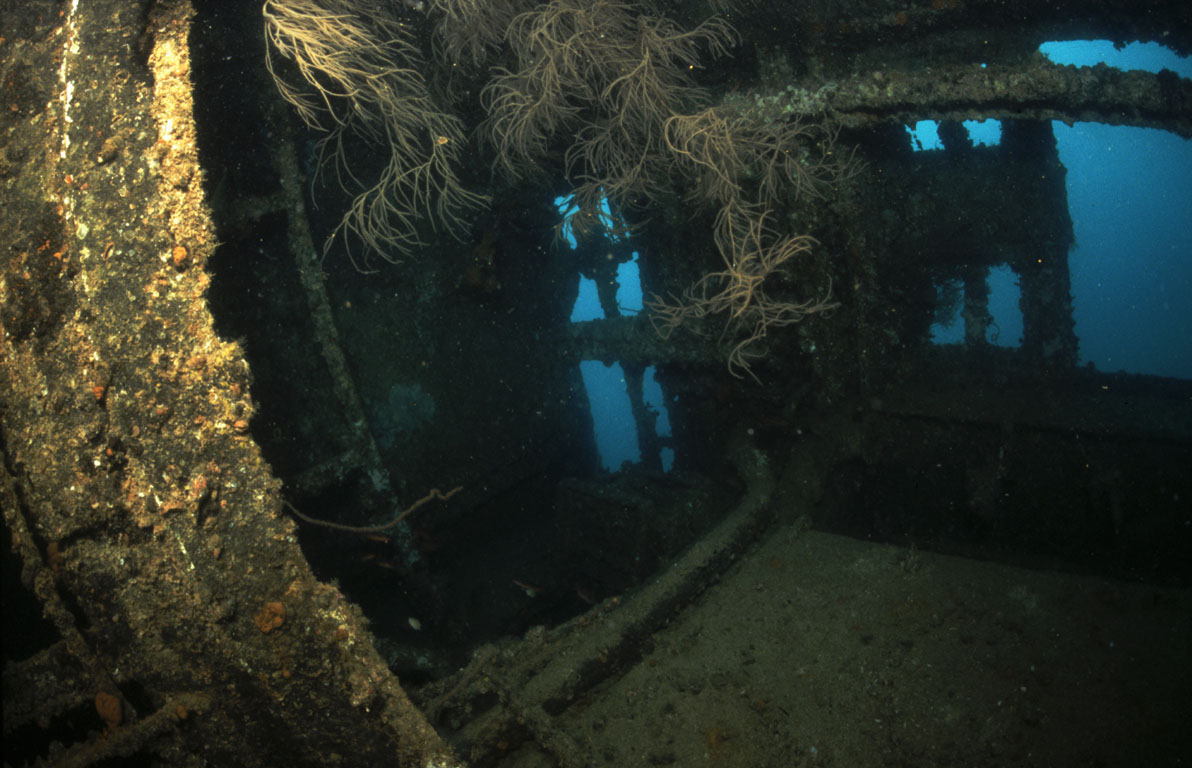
column 724, row 151
column 469, row 33
column 732, row 159
column 360, row 70
column 752, row 254
column 599, row 88
column 600, row 79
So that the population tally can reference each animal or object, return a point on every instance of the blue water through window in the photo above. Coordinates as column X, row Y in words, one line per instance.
column 608, row 397
column 983, row 133
column 587, row 303
column 608, row 394
column 1005, row 323
column 1130, row 197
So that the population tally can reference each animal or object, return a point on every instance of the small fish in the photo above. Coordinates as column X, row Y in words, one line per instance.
column 530, row 589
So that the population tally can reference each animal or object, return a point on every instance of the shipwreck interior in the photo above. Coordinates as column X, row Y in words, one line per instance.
column 299, row 465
